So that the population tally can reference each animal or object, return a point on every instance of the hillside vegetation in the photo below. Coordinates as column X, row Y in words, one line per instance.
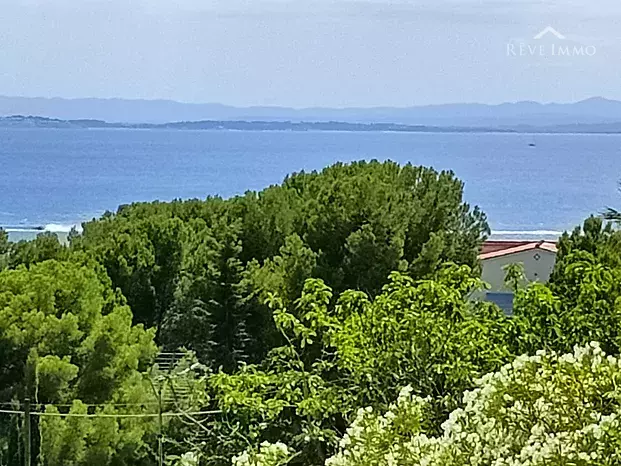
column 326, row 320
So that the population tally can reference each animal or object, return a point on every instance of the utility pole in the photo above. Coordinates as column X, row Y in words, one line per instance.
column 27, row 433
column 160, row 435
column 30, row 377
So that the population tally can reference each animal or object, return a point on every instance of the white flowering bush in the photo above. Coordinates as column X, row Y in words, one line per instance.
column 374, row 438
column 188, row 459
column 269, row 454
column 546, row 409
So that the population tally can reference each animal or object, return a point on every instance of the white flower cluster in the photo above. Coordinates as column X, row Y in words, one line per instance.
column 188, row 459
column 374, row 439
column 269, row 454
column 545, row 409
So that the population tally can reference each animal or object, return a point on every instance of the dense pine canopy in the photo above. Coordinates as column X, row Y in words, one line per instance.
column 197, row 271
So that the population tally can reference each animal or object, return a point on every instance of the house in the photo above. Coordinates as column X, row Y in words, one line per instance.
column 537, row 257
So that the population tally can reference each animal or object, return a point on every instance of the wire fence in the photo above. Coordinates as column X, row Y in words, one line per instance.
column 114, row 415
column 167, row 406
column 197, row 417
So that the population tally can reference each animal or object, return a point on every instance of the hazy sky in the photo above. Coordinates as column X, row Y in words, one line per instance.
column 308, row 52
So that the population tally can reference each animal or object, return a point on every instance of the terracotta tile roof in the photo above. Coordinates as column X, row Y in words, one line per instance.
column 493, row 249
column 492, row 246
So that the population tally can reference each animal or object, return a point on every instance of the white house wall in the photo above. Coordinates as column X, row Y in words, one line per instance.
column 535, row 270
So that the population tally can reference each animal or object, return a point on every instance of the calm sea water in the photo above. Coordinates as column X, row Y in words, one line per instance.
column 57, row 178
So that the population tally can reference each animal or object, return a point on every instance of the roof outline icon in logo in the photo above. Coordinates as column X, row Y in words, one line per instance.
column 549, row 30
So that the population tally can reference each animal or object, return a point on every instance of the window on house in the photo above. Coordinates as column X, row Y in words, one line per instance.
column 503, row 300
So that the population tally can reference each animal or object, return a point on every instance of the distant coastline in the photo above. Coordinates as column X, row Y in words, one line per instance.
column 21, row 121
column 30, row 232
column 591, row 115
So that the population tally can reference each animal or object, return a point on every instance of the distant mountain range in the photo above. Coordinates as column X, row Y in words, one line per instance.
column 507, row 116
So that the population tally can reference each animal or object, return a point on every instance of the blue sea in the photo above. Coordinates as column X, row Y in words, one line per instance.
column 55, row 178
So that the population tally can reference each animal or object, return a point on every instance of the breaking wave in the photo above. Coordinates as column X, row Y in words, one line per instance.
column 50, row 227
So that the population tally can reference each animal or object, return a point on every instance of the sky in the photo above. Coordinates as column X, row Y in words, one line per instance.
column 306, row 53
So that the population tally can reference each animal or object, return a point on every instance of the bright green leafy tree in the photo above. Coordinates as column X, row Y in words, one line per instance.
column 356, row 351
column 581, row 303
column 67, row 339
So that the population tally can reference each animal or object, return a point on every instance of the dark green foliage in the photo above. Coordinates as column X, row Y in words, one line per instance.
column 601, row 240
column 198, row 270
column 4, row 242
column 208, row 314
column 4, row 249
column 142, row 256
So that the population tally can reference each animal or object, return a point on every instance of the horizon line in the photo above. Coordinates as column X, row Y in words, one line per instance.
column 316, row 107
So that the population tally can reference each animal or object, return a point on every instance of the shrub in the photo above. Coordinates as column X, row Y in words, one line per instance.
column 546, row 409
